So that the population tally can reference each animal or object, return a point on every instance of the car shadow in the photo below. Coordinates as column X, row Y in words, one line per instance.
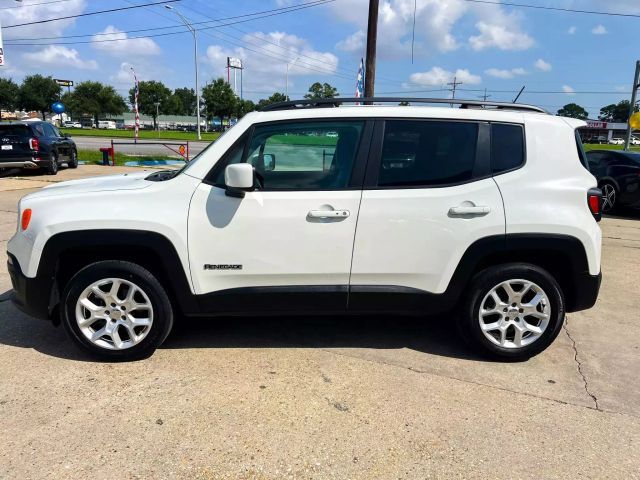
column 435, row 336
column 624, row 214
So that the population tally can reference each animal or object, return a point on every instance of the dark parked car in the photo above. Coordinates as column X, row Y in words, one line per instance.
column 35, row 145
column 618, row 175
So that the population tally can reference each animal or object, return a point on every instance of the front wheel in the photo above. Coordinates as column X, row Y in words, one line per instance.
column 116, row 310
column 512, row 311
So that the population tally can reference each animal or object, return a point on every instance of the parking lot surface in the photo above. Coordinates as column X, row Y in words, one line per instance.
column 325, row 398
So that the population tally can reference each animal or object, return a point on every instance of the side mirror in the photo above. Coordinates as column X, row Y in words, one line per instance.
column 238, row 178
column 269, row 162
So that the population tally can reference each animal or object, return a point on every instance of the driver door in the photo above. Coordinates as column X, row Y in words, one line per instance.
column 287, row 245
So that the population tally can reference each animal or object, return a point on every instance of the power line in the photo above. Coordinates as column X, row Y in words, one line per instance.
column 558, row 9
column 87, row 14
column 255, row 16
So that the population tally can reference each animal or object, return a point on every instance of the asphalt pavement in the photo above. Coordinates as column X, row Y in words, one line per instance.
column 326, row 398
column 143, row 147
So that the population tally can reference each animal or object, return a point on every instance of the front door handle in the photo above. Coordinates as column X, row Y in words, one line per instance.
column 328, row 213
column 461, row 210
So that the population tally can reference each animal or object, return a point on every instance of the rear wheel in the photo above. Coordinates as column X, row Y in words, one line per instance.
column 73, row 159
column 52, row 167
column 512, row 311
column 116, row 310
column 609, row 197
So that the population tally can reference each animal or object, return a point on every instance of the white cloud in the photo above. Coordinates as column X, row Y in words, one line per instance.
column 120, row 44
column 29, row 14
column 438, row 76
column 435, row 27
column 568, row 90
column 572, row 30
column 599, row 30
column 58, row 56
column 268, row 72
column 505, row 74
column 540, row 64
column 499, row 36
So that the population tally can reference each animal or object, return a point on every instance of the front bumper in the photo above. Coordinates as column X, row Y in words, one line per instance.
column 31, row 295
column 585, row 292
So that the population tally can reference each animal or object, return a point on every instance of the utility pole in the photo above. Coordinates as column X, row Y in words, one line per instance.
column 632, row 107
column 485, row 96
column 372, row 37
column 454, row 85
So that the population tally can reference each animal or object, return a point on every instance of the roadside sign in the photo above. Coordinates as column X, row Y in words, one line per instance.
column 182, row 150
column 64, row 83
column 1, row 48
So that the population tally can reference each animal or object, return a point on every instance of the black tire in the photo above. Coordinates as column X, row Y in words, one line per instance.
column 73, row 160
column 52, row 167
column 480, row 286
column 609, row 197
column 162, row 310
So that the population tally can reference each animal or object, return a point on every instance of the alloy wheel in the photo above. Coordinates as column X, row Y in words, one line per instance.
column 515, row 313
column 608, row 197
column 114, row 313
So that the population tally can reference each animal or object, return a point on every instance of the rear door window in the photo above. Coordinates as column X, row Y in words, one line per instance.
column 507, row 147
column 427, row 153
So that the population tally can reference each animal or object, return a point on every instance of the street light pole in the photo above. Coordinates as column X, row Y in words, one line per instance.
column 157, row 104
column 195, row 59
column 286, row 79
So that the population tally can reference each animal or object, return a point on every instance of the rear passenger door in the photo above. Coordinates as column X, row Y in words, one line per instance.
column 428, row 195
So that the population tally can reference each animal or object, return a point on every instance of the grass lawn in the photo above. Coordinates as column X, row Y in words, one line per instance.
column 595, row 146
column 95, row 157
column 144, row 134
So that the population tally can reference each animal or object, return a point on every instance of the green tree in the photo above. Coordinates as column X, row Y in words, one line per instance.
column 95, row 99
column 220, row 99
column 37, row 93
column 275, row 98
column 321, row 90
column 573, row 110
column 187, row 101
column 243, row 107
column 150, row 93
column 616, row 112
column 8, row 94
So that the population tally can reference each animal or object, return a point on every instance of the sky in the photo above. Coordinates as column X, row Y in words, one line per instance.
column 559, row 57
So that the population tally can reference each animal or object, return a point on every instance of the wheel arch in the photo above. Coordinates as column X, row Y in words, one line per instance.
column 66, row 253
column 563, row 256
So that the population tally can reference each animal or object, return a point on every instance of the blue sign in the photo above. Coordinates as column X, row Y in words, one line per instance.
column 57, row 107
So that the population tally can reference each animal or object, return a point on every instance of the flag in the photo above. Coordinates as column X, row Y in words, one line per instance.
column 135, row 104
column 360, row 80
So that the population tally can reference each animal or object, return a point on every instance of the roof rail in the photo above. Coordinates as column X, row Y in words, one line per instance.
column 336, row 102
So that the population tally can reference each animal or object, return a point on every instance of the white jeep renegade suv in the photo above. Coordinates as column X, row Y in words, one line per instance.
column 487, row 210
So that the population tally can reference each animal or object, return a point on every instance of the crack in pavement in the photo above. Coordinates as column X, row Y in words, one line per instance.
column 579, row 365
column 503, row 389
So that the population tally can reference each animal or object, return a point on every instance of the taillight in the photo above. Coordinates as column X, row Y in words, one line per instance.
column 34, row 144
column 26, row 218
column 594, row 200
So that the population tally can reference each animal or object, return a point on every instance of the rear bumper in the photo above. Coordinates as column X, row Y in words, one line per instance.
column 586, row 289
column 31, row 295
column 23, row 162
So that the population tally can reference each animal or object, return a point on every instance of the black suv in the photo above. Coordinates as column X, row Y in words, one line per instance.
column 35, row 145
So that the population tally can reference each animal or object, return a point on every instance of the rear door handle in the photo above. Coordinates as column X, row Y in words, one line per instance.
column 469, row 210
column 328, row 213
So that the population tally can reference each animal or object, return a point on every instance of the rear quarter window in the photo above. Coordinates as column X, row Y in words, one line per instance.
column 507, row 147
